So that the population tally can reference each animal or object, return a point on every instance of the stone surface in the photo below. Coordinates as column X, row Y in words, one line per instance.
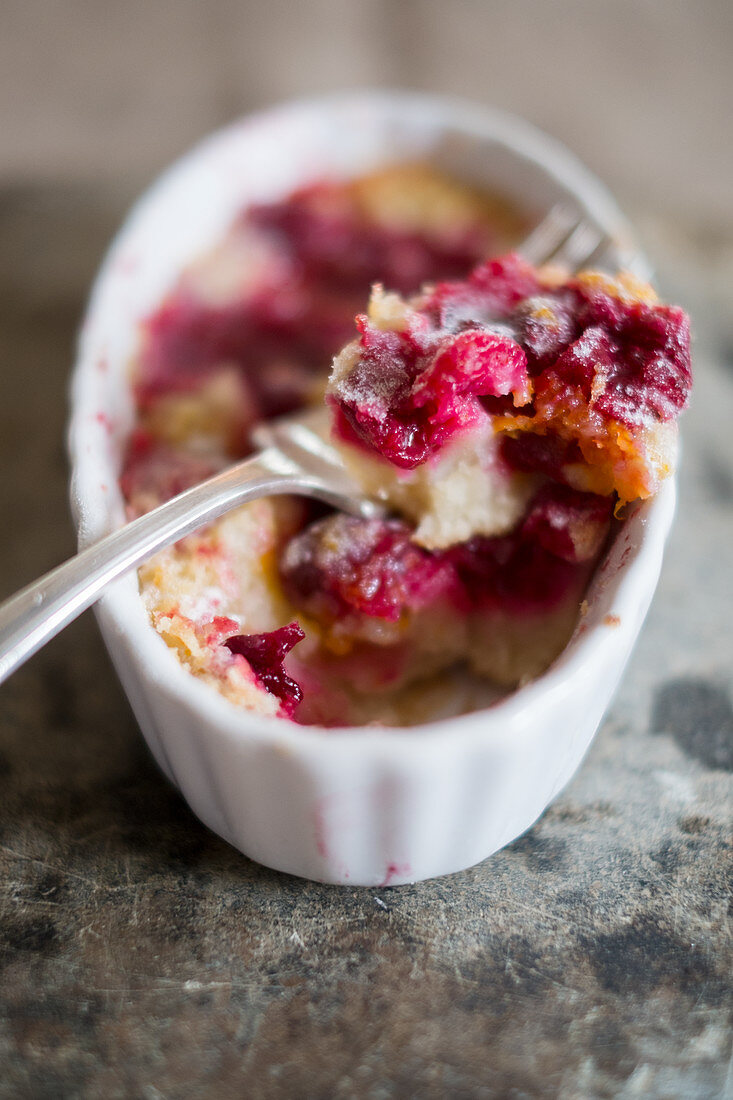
column 141, row 956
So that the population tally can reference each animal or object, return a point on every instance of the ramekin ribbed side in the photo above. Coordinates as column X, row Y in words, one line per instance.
column 364, row 806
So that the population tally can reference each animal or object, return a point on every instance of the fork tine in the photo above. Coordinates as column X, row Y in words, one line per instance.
column 302, row 439
column 302, row 436
column 566, row 238
column 584, row 241
column 605, row 255
column 549, row 235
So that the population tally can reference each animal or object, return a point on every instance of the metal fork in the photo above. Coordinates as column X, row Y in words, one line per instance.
column 572, row 241
column 294, row 458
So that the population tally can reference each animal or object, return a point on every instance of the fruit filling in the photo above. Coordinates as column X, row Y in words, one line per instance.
column 502, row 413
column 593, row 368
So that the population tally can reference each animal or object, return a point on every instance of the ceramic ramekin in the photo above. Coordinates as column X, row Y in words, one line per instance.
column 360, row 806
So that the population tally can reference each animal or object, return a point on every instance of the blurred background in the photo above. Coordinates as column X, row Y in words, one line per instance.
column 109, row 93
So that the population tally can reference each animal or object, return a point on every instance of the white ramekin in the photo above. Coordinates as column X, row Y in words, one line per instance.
column 360, row 806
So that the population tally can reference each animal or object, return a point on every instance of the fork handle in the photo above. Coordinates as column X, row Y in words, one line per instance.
column 38, row 612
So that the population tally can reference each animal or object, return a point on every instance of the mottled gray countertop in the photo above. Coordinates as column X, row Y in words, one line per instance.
column 141, row 956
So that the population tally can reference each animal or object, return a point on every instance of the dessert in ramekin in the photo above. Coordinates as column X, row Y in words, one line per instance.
column 363, row 805
column 502, row 415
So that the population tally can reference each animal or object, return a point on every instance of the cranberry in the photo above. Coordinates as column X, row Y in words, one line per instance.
column 650, row 374
column 409, row 393
column 569, row 524
column 546, row 454
column 280, row 337
column 343, row 565
column 512, row 574
column 265, row 654
column 492, row 290
column 545, row 324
